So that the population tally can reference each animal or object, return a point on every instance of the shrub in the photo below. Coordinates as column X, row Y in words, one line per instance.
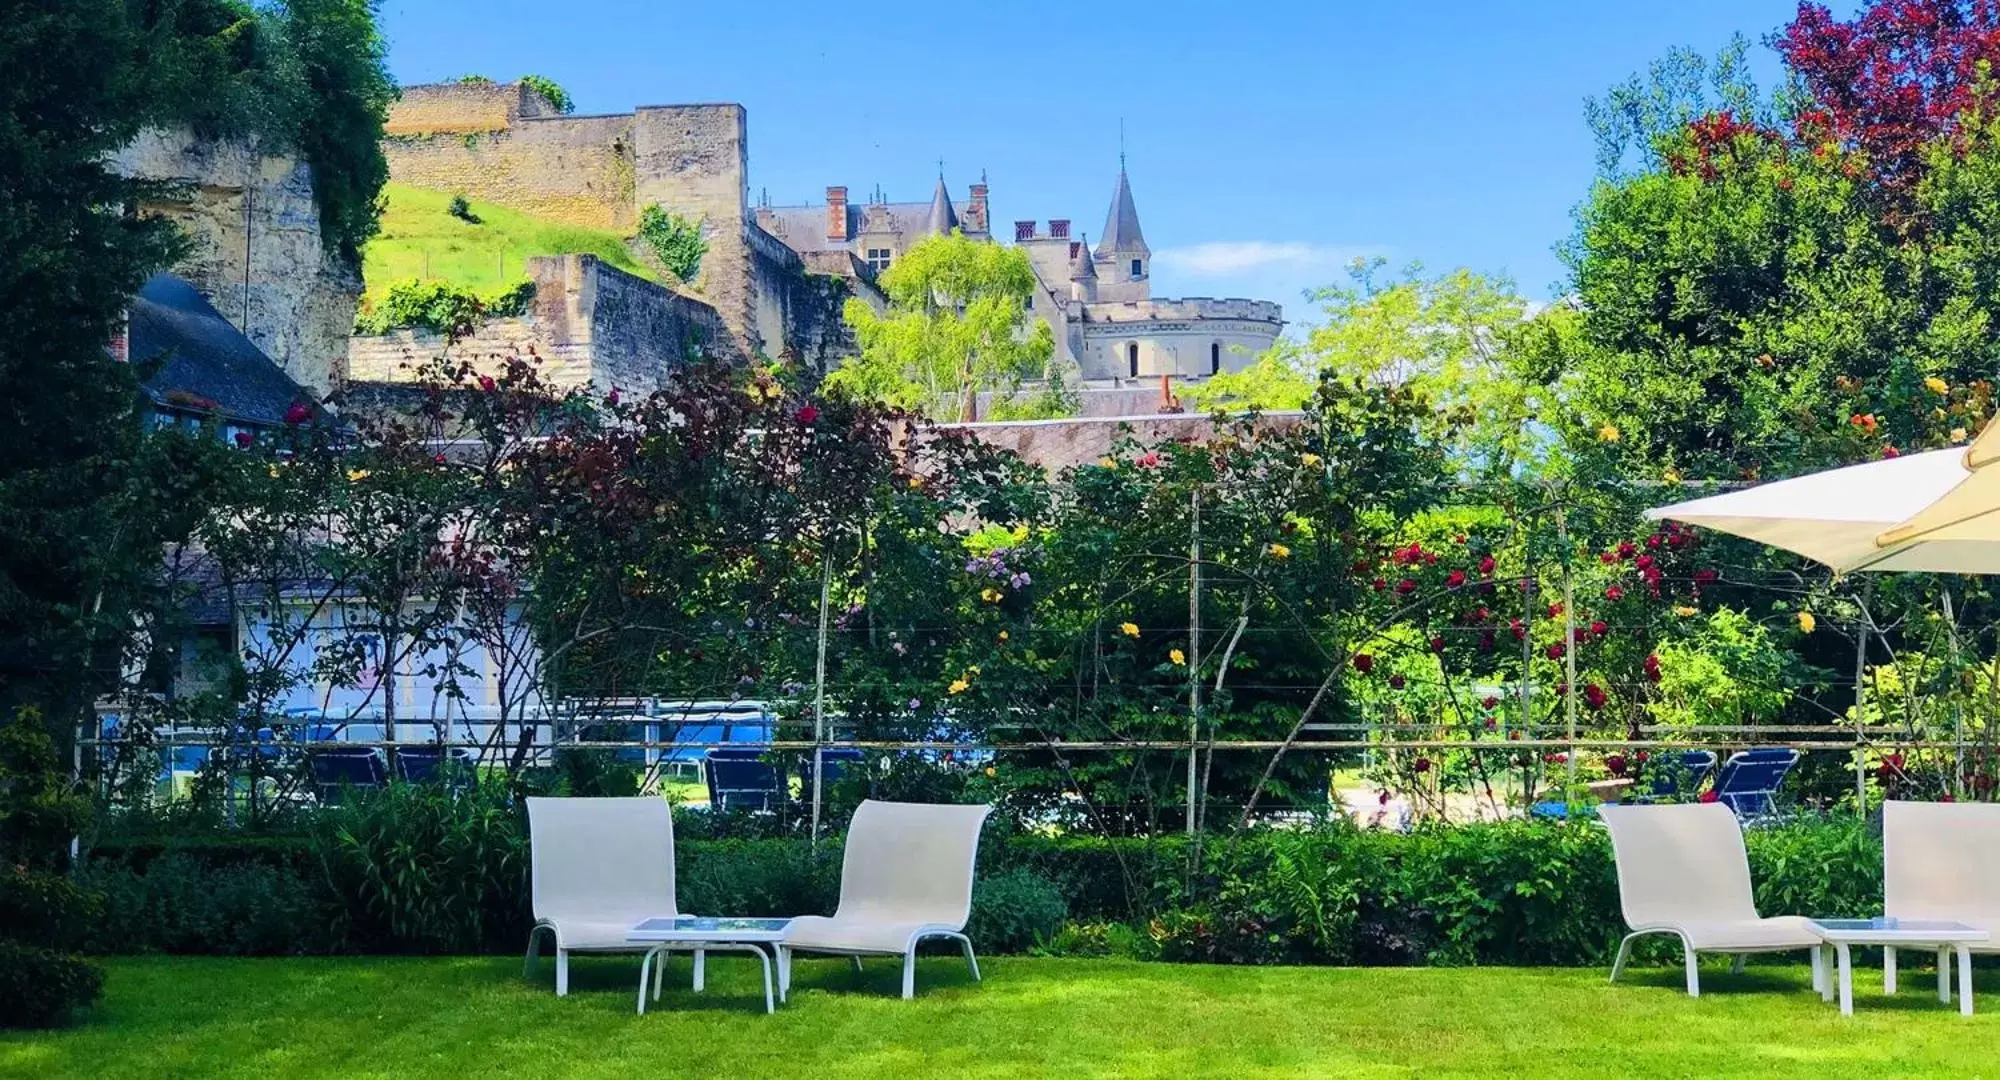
column 179, row 903
column 550, row 89
column 440, row 307
column 42, row 987
column 768, row 877
column 674, row 240
column 461, row 208
column 1014, row 911
column 428, row 867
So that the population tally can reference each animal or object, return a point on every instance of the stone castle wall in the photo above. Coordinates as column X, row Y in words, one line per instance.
column 255, row 247
column 500, row 144
column 590, row 326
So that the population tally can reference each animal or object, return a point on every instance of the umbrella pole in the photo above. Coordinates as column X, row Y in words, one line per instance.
column 1860, row 692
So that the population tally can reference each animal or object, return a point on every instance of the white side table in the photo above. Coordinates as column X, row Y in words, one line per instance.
column 1946, row 937
column 700, row 936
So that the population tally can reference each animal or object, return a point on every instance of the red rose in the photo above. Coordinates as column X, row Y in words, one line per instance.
column 1599, row 628
column 1454, row 579
column 1556, row 610
column 808, row 413
column 1380, row 584
column 1613, row 593
column 1643, row 561
column 1437, row 644
column 1519, row 630
column 1555, row 650
column 1593, row 696
column 1625, row 549
column 1614, row 764
column 486, row 383
column 298, row 413
column 612, row 397
column 1422, row 765
column 1709, row 796
column 244, row 440
column 1486, row 565
column 1491, row 702
column 1406, row 586
column 1607, row 558
column 1395, row 682
column 1364, row 663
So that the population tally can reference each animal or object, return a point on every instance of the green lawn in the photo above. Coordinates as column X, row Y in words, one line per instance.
column 419, row 239
column 1072, row 1018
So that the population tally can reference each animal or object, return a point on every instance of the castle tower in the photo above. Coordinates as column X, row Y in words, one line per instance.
column 1082, row 273
column 943, row 219
column 1122, row 249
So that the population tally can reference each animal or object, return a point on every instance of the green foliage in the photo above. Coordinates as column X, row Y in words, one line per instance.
column 550, row 89
column 41, row 910
column 1014, row 911
column 773, row 878
column 182, row 902
column 674, row 240
column 472, row 80
column 957, row 326
column 44, row 988
column 428, row 867
column 461, row 208
column 421, row 238
column 441, row 307
column 1728, row 670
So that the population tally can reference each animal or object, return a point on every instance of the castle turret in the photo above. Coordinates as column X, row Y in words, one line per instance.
column 943, row 219
column 1082, row 273
column 1122, row 249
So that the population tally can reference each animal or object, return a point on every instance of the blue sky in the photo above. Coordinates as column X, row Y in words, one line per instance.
column 1268, row 143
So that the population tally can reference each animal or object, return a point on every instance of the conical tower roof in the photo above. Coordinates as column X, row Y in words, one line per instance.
column 1121, row 226
column 1083, row 267
column 943, row 219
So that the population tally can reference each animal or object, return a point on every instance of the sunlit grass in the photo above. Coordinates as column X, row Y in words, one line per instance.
column 420, row 239
column 1074, row 1018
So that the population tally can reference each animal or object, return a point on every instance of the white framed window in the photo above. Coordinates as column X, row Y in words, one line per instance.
column 879, row 258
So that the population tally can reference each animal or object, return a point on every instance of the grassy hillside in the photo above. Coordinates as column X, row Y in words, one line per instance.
column 420, row 239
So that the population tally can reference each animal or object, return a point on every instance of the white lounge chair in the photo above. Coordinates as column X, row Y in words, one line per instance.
column 906, row 875
column 1941, row 861
column 598, row 866
column 1682, row 870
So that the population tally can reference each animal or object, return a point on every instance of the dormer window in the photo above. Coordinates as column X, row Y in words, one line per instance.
column 879, row 259
column 1138, row 271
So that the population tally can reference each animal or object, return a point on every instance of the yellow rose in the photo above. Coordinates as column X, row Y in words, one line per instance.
column 1003, row 635
column 1106, row 463
column 1608, row 433
column 958, row 686
column 990, row 595
column 1807, row 622
column 1937, row 386
column 1684, row 611
column 1129, row 629
column 990, row 771
column 1310, row 461
column 1178, row 657
column 357, row 475
column 916, row 481
column 1958, row 434
column 1671, row 476
column 1281, row 551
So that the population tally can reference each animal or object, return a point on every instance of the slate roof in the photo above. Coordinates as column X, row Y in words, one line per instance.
column 205, row 363
column 943, row 218
column 1121, row 225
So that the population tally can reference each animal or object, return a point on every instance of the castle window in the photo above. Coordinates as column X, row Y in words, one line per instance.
column 1137, row 270
column 878, row 259
column 1215, row 358
column 1132, row 357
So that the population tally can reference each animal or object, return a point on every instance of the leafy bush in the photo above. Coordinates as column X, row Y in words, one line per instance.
column 461, row 208
column 42, row 987
column 40, row 908
column 440, row 307
column 429, row 868
column 1014, row 911
column 179, row 903
column 550, row 89
column 757, row 877
column 674, row 240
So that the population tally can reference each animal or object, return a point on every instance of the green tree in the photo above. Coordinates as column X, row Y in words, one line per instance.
column 1443, row 337
column 957, row 325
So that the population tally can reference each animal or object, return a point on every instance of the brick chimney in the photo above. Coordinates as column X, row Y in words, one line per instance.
column 120, row 345
column 836, row 214
column 1024, row 230
column 975, row 211
column 1059, row 228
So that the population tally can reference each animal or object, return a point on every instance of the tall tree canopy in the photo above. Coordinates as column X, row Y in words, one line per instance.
column 957, row 326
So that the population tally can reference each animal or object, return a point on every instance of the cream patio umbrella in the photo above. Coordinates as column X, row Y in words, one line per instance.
column 1936, row 512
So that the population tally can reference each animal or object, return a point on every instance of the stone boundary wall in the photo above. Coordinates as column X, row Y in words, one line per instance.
column 1055, row 445
column 463, row 107
column 591, row 326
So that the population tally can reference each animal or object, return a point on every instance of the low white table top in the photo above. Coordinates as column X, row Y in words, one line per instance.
column 1888, row 931
column 700, row 928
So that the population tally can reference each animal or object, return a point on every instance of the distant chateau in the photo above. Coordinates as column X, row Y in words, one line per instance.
column 1098, row 301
